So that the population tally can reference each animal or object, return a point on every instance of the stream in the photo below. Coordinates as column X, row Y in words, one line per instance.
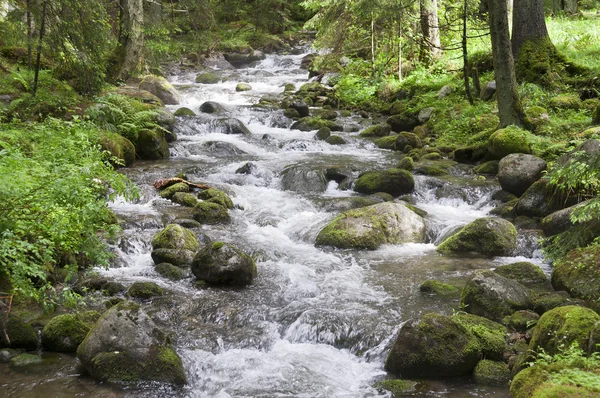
column 316, row 322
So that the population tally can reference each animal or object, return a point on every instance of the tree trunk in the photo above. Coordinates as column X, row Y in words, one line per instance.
column 29, row 34
column 39, row 51
column 466, row 66
column 528, row 23
column 431, row 46
column 129, row 55
column 570, row 7
column 510, row 110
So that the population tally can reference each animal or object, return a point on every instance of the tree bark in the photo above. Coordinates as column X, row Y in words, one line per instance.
column 431, row 46
column 39, row 53
column 129, row 56
column 510, row 110
column 528, row 23
column 570, row 7
column 466, row 66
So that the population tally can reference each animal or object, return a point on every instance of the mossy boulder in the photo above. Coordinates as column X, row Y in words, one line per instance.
column 126, row 346
column 491, row 335
column 211, row 213
column 407, row 163
column 401, row 388
column 170, row 271
column 433, row 346
column 491, row 373
column 388, row 142
column 184, row 112
column 21, row 333
column 565, row 101
column 439, row 289
column 488, row 236
column 230, row 125
column 509, row 140
column 396, row 182
column 540, row 200
column 488, row 168
column 404, row 140
column 174, row 236
column 517, row 172
column 555, row 380
column 402, row 122
column 323, row 134
column 222, row 264
column 579, row 273
column 207, row 78
column 523, row 272
column 311, row 123
column 152, row 145
column 240, row 87
column 171, row 190
column 521, row 321
column 537, row 115
column 144, row 290
column 185, row 199
column 372, row 226
column 470, row 154
column 25, row 359
column 213, row 195
column 562, row 326
column 378, row 130
column 335, row 140
column 560, row 221
column 212, row 107
column 118, row 146
column 546, row 301
column 141, row 95
column 493, row 296
column 65, row 332
column 160, row 87
column 177, row 257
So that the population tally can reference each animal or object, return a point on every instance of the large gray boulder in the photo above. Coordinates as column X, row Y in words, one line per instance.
column 126, row 346
column 303, row 179
column 222, row 264
column 433, row 346
column 540, row 200
column 488, row 90
column 560, row 221
column 493, row 296
column 160, row 87
column 518, row 171
column 372, row 226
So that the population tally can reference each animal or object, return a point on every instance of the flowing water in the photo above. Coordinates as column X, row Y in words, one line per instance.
column 317, row 322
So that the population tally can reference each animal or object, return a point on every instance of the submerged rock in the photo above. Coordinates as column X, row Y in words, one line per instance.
column 488, row 236
column 126, row 346
column 370, row 227
column 222, row 264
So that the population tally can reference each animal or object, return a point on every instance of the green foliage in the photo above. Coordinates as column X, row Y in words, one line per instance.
column 123, row 115
column 54, row 187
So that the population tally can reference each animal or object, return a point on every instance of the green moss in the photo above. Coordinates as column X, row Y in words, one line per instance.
column 491, row 373
column 310, row 123
column 240, row 87
column 510, row 140
column 168, row 192
column 26, row 360
column 417, row 210
column 439, row 288
column 471, row 153
column 217, row 245
column 565, row 101
column 506, row 210
column 378, row 130
column 207, row 78
column 217, row 196
column 489, row 236
column 118, row 146
column 404, row 140
column 430, row 170
column 335, row 140
column 182, row 112
column 553, row 391
column 523, row 272
column 521, row 321
column 578, row 273
column 152, row 145
column 210, row 213
column 491, row 335
column 396, row 182
column 489, row 168
column 335, row 235
column 185, row 199
column 562, row 326
column 539, row 62
column 399, row 388
column 432, row 156
column 170, row 271
column 406, row 163
column 64, row 333
column 174, row 236
column 144, row 290
column 21, row 333
column 546, row 301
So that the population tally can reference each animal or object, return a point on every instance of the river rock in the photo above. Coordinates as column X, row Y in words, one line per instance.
column 160, row 87
column 152, row 145
column 517, row 172
column 231, row 125
column 490, row 335
column 177, row 257
column 21, row 333
column 560, row 221
column 212, row 107
column 509, row 140
column 523, row 272
column 335, row 140
column 433, row 346
column 301, row 107
column 216, row 196
column 65, row 332
column 185, row 199
column 562, row 326
column 210, row 213
column 222, row 264
column 493, row 296
column 241, row 60
column 396, row 182
column 241, row 87
column 184, row 112
column 578, row 273
column 303, row 179
column 175, row 245
column 247, row 168
column 378, row 130
column 488, row 90
column 491, row 373
column 144, row 290
column 207, row 78
column 171, row 190
column 405, row 139
column 540, row 200
column 220, row 148
column 488, row 236
column 118, row 146
column 372, row 226
column 402, row 123
column 323, row 134
column 126, row 346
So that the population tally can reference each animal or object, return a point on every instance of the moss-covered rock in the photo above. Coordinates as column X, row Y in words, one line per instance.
column 396, row 182
column 183, row 112
column 404, row 140
column 144, row 290
column 311, row 123
column 491, row 373
column 24, row 359
column 578, row 273
column 562, row 326
column 217, row 196
column 170, row 271
column 430, row 169
column 378, row 130
column 126, row 346
column 160, row 87
column 401, row 388
column 65, row 332
column 185, row 199
column 335, row 140
column 152, row 145
column 169, row 191
column 432, row 156
column 537, row 115
column 118, row 146
column 546, row 301
column 323, row 134
column 523, row 272
column 210, row 213
column 488, row 236
column 222, row 264
column 178, row 257
column 207, row 78
column 540, row 200
column 240, row 87
column 174, row 236
column 6, row 354
column 434, row 346
column 388, row 142
column 488, row 168
column 491, row 335
column 565, row 101
column 402, row 122
column 372, row 226
column 493, row 296
column 406, row 163
column 470, row 154
column 521, row 321
column 21, row 333
column 439, row 289
column 509, row 140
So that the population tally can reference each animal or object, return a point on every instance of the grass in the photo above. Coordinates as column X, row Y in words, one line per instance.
column 578, row 38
